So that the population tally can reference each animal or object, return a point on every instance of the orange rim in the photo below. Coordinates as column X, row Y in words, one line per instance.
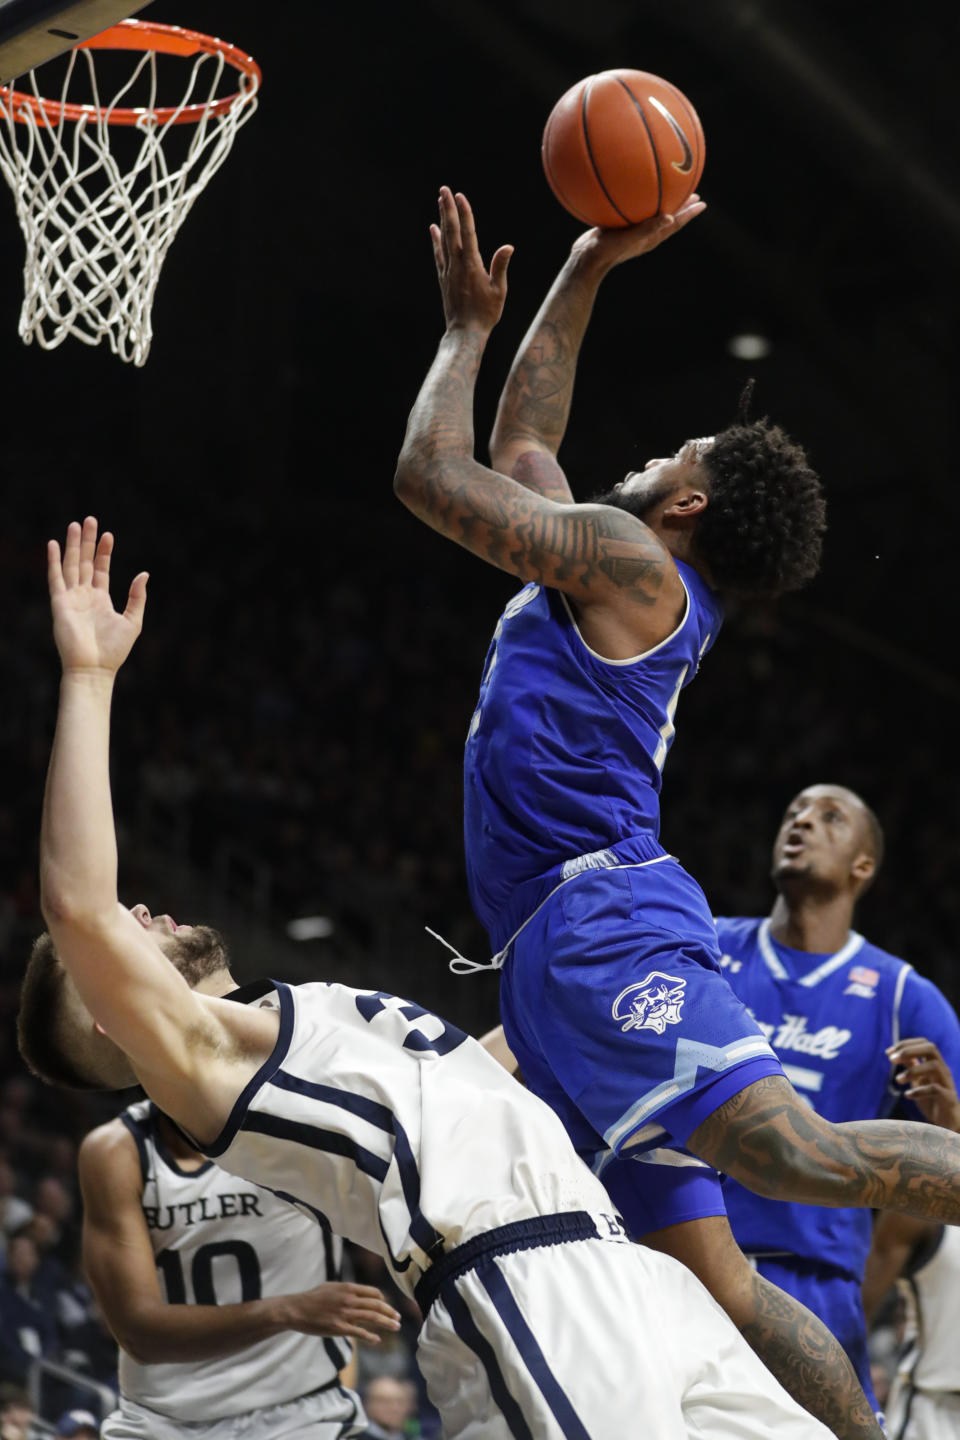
column 146, row 35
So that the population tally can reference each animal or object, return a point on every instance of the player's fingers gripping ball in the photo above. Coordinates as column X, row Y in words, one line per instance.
column 622, row 146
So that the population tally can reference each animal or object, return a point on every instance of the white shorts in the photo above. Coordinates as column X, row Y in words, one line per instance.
column 331, row 1414
column 593, row 1339
column 922, row 1414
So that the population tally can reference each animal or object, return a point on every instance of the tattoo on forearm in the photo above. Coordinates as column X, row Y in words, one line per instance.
column 809, row 1362
column 536, row 398
column 570, row 548
column 766, row 1138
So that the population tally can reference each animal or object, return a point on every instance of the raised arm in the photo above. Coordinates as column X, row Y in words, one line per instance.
column 601, row 556
column 535, row 403
column 179, row 1046
column 120, row 1265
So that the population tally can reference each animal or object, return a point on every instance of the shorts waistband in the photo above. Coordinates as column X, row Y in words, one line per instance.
column 539, row 1230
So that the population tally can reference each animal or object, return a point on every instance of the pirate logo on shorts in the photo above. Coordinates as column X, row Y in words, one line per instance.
column 652, row 1004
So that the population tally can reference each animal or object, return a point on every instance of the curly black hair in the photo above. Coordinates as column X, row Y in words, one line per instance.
column 762, row 530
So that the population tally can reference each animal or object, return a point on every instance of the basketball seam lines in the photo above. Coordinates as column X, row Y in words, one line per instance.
column 593, row 163
column 653, row 148
column 551, row 177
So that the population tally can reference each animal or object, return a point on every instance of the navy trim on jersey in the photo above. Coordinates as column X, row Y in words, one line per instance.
column 492, row 1279
column 318, row 1215
column 911, row 1392
column 370, row 1110
column 333, row 1272
column 337, row 1359
column 384, row 1119
column 318, row 1139
column 332, row 1266
column 137, row 1130
column 269, row 1068
column 163, row 1149
column 466, row 1327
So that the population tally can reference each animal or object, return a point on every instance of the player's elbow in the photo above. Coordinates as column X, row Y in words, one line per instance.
column 407, row 477
column 68, row 912
column 148, row 1343
column 62, row 907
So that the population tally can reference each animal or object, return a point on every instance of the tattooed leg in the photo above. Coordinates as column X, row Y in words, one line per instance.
column 795, row 1346
column 809, row 1362
column 775, row 1145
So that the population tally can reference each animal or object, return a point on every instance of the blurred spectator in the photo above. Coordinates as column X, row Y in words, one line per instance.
column 16, row 1413
column 14, row 1212
column 55, row 1203
column 390, row 1406
column 51, row 1274
column 27, row 1330
column 78, row 1425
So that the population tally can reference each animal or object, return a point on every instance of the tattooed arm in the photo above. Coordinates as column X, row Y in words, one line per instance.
column 775, row 1145
column 623, row 579
column 535, row 404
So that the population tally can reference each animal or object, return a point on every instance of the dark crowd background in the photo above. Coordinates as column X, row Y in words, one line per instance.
column 288, row 733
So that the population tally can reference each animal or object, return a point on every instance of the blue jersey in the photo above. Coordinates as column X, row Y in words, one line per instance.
column 830, row 1019
column 566, row 749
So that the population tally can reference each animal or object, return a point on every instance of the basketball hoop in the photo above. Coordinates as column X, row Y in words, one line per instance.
column 99, row 212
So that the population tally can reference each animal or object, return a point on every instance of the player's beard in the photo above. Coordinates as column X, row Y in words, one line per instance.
column 199, row 952
column 638, row 503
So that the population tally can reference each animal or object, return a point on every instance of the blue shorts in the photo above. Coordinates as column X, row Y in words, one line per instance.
column 613, row 1002
column 834, row 1296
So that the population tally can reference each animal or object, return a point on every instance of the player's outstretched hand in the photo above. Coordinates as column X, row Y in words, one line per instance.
column 341, row 1308
column 90, row 635
column 928, row 1081
column 612, row 247
column 473, row 297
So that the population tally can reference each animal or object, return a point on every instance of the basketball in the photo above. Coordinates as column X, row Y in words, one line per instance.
column 621, row 146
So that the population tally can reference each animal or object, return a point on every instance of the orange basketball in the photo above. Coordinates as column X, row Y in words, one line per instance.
column 622, row 146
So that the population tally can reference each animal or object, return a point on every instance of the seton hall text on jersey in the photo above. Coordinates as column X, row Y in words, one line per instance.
column 792, row 1034
column 208, row 1207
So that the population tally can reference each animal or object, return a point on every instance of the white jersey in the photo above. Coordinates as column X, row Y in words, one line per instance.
column 219, row 1241
column 931, row 1360
column 542, row 1320
column 395, row 1129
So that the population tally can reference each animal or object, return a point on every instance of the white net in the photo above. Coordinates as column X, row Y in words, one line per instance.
column 98, row 203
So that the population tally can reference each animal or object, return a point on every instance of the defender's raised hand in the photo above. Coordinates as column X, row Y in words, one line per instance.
column 89, row 633
column 472, row 297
